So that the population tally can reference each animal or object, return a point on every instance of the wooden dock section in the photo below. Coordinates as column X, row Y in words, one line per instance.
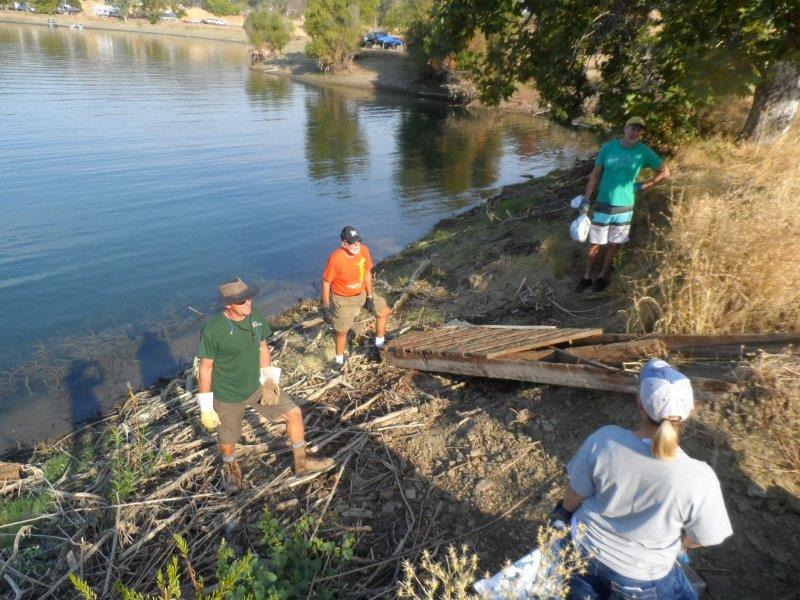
column 583, row 358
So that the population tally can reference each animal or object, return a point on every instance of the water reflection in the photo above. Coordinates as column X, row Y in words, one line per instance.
column 268, row 92
column 335, row 144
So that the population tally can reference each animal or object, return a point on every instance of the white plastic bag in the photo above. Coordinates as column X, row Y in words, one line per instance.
column 576, row 202
column 579, row 228
column 534, row 576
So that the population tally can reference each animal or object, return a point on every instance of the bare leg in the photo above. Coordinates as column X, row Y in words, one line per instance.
column 294, row 425
column 380, row 322
column 341, row 341
column 591, row 257
column 611, row 251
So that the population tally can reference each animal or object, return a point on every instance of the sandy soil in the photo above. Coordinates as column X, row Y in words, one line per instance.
column 232, row 32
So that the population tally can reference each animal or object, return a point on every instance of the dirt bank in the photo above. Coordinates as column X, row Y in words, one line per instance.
column 389, row 71
column 232, row 32
column 423, row 460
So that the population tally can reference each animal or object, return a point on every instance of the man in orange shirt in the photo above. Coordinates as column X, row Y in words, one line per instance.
column 347, row 288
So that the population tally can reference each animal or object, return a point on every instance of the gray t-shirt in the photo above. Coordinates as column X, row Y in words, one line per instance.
column 636, row 506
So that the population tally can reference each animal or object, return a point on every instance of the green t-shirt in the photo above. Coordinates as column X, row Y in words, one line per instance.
column 234, row 348
column 621, row 166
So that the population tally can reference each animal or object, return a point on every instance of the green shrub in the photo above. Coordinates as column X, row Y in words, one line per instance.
column 267, row 28
column 293, row 562
column 47, row 6
column 335, row 27
column 221, row 8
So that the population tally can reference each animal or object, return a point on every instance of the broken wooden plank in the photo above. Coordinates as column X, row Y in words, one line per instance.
column 544, row 354
column 570, row 359
column 686, row 342
column 508, row 339
column 620, row 352
column 459, row 339
column 558, row 336
column 408, row 341
column 580, row 376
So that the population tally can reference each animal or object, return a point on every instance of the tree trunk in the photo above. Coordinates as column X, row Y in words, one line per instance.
column 775, row 104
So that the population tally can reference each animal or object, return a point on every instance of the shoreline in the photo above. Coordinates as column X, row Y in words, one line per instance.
column 179, row 29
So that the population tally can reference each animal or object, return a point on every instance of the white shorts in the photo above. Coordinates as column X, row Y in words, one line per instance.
column 609, row 234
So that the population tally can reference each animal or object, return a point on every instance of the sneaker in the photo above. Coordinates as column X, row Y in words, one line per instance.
column 338, row 367
column 582, row 285
column 232, row 477
column 374, row 353
column 600, row 284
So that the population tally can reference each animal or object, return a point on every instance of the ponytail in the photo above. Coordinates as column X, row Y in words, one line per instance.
column 665, row 442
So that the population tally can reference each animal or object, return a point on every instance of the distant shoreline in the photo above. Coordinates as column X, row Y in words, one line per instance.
column 231, row 33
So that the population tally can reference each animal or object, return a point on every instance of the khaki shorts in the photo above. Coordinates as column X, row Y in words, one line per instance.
column 346, row 309
column 231, row 413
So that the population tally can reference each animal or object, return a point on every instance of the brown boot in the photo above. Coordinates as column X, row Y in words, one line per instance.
column 232, row 477
column 303, row 464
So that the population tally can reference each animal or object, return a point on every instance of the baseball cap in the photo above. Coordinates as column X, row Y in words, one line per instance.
column 665, row 391
column 635, row 121
column 350, row 235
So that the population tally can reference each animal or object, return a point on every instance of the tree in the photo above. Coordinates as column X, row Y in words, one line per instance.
column 46, row 6
column 669, row 60
column 221, row 8
column 267, row 28
column 335, row 27
column 124, row 7
column 152, row 9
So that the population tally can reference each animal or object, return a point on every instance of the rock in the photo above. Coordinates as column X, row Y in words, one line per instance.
column 411, row 494
column 476, row 452
column 755, row 491
column 483, row 485
column 390, row 508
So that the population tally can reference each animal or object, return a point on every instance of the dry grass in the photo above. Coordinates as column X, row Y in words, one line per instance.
column 727, row 260
column 772, row 408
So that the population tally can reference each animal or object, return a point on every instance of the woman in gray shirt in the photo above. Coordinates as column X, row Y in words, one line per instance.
column 634, row 496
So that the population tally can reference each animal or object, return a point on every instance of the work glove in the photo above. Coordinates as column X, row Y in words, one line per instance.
column 208, row 416
column 580, row 203
column 370, row 304
column 559, row 517
column 327, row 314
column 273, row 373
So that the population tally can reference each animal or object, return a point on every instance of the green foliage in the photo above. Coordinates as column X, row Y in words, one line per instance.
column 21, row 508
column 123, row 6
column 666, row 60
column 294, row 561
column 267, row 28
column 221, row 8
column 46, row 6
column 131, row 460
column 151, row 9
column 55, row 466
column 400, row 14
column 335, row 27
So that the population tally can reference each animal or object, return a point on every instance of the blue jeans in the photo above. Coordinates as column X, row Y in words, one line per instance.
column 602, row 583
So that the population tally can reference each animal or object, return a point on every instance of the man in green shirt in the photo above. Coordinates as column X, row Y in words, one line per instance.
column 236, row 371
column 615, row 170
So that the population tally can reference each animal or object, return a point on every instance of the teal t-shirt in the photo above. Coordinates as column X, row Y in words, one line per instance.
column 621, row 166
column 234, row 348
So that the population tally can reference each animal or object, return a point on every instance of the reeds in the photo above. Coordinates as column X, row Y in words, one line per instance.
column 727, row 259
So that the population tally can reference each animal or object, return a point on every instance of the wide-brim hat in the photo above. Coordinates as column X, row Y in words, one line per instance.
column 235, row 291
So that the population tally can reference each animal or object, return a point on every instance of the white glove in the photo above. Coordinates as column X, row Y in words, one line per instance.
column 576, row 202
column 208, row 416
column 273, row 373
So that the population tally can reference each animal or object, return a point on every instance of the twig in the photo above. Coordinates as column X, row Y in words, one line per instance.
column 330, row 496
column 113, row 553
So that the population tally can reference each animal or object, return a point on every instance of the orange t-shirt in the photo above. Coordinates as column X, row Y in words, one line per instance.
column 347, row 273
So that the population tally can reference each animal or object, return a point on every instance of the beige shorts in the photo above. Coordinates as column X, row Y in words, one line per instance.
column 346, row 309
column 230, row 414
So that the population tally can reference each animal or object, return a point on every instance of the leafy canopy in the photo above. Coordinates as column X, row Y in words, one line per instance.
column 335, row 27
column 667, row 60
column 267, row 28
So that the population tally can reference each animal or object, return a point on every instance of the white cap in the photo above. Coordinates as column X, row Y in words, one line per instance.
column 665, row 391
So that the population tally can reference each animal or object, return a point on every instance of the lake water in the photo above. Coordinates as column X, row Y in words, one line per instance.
column 138, row 172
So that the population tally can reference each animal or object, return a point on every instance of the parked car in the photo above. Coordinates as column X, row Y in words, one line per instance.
column 167, row 16
column 380, row 38
column 66, row 9
column 24, row 7
column 213, row 22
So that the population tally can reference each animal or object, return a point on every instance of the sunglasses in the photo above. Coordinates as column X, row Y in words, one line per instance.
column 245, row 301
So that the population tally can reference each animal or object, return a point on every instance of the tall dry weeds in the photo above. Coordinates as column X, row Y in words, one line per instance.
column 727, row 259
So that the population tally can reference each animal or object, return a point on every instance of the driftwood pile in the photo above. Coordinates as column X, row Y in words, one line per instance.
column 347, row 417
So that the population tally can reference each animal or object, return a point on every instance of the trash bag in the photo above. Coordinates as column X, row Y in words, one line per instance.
column 534, row 576
column 576, row 202
column 579, row 228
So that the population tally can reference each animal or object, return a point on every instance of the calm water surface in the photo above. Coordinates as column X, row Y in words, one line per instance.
column 138, row 172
